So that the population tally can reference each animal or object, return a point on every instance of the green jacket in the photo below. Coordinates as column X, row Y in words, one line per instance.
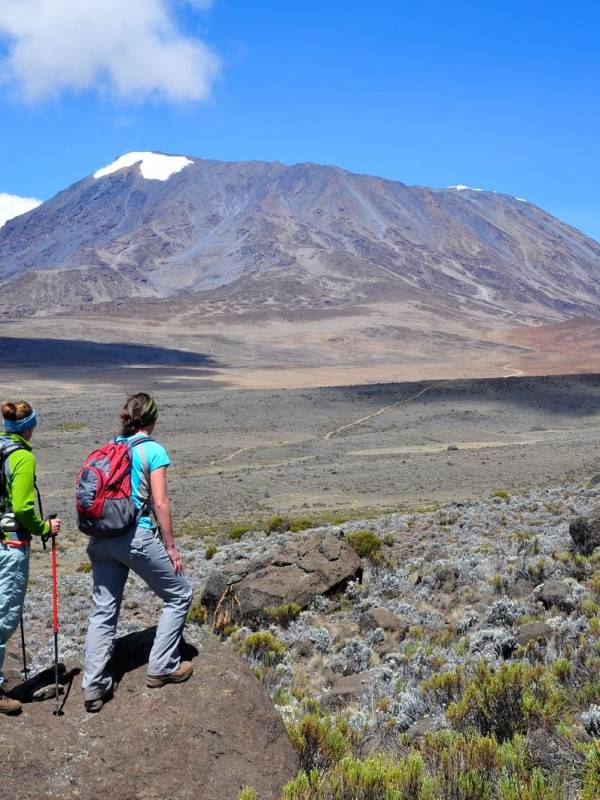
column 20, row 487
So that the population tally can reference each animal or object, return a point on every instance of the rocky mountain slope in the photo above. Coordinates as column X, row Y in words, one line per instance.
column 288, row 237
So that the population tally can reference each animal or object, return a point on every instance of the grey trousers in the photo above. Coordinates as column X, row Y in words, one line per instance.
column 144, row 553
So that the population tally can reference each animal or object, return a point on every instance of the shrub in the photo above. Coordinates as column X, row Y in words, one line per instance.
column 264, row 647
column 366, row 544
column 376, row 778
column 506, row 701
column 197, row 614
column 501, row 494
column 238, row 530
column 277, row 524
column 283, row 614
column 595, row 585
column 321, row 741
column 85, row 566
column 211, row 551
column 444, row 687
column 301, row 524
column 591, row 778
column 71, row 427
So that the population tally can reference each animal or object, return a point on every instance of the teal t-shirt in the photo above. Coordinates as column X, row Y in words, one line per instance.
column 145, row 458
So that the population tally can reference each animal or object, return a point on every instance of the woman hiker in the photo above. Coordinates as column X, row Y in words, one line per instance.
column 18, row 522
column 148, row 551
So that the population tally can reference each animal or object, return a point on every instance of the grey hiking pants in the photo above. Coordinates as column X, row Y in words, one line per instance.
column 144, row 553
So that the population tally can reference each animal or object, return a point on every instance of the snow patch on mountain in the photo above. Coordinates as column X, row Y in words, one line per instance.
column 12, row 206
column 153, row 166
column 460, row 187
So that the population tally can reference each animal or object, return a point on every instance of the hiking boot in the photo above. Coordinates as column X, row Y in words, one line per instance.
column 181, row 674
column 97, row 704
column 8, row 705
column 93, row 706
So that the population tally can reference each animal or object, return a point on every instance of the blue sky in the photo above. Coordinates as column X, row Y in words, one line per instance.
column 502, row 96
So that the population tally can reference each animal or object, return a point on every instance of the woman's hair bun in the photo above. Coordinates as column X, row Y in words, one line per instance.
column 16, row 411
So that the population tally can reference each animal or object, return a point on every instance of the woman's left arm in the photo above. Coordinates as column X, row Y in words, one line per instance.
column 162, row 509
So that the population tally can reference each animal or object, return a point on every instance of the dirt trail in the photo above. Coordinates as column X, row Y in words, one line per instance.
column 377, row 413
column 324, row 437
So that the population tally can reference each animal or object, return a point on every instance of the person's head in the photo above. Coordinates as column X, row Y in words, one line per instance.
column 19, row 417
column 139, row 413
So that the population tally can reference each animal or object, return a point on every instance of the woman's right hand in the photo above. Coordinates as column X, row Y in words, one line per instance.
column 54, row 526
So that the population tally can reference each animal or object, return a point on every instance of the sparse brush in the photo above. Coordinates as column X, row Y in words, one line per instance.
column 197, row 614
column 500, row 494
column 595, row 585
column 375, row 778
column 366, row 544
column 263, row 646
column 85, row 566
column 238, row 530
column 211, row 551
column 321, row 741
column 283, row 614
column 248, row 794
column 507, row 701
column 277, row 524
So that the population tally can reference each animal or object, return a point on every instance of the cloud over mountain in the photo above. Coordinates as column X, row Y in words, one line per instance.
column 12, row 206
column 133, row 50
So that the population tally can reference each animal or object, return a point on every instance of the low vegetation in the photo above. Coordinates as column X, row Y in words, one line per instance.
column 366, row 544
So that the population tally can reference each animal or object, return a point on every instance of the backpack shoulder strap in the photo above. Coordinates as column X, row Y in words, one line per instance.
column 141, row 440
column 7, row 447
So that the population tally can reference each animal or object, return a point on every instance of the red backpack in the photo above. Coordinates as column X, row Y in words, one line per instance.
column 103, row 498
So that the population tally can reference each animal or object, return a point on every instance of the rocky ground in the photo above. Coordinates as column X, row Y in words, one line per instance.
column 494, row 581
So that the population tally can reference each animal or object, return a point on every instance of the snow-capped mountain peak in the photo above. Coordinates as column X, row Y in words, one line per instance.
column 153, row 166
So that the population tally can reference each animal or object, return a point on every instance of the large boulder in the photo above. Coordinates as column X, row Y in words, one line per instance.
column 207, row 738
column 294, row 572
column 585, row 532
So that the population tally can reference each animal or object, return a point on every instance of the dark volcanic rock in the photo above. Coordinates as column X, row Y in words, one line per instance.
column 295, row 572
column 555, row 593
column 383, row 618
column 207, row 738
column 348, row 688
column 533, row 632
column 585, row 532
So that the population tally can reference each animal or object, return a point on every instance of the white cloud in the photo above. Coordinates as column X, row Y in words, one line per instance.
column 133, row 49
column 12, row 206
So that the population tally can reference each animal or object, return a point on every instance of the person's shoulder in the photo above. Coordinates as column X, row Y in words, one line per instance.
column 21, row 457
column 156, row 453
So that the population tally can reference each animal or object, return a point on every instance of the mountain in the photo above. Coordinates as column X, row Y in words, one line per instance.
column 265, row 235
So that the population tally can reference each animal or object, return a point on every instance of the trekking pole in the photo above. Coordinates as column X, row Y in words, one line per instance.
column 25, row 670
column 56, row 711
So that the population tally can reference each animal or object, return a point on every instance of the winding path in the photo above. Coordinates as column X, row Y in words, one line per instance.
column 326, row 436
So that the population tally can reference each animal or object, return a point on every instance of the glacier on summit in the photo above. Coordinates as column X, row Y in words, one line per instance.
column 153, row 166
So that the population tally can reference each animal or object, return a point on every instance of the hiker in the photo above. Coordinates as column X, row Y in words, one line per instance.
column 18, row 522
column 149, row 550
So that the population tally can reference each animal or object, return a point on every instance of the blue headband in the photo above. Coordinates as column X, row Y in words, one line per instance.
column 20, row 425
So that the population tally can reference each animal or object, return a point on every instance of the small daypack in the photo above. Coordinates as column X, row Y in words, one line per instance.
column 103, row 498
column 8, row 523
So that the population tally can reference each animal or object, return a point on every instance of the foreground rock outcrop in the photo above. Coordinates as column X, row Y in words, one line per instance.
column 207, row 738
column 297, row 571
column 585, row 532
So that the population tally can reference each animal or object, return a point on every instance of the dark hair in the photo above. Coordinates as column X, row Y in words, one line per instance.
column 139, row 410
column 14, row 411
